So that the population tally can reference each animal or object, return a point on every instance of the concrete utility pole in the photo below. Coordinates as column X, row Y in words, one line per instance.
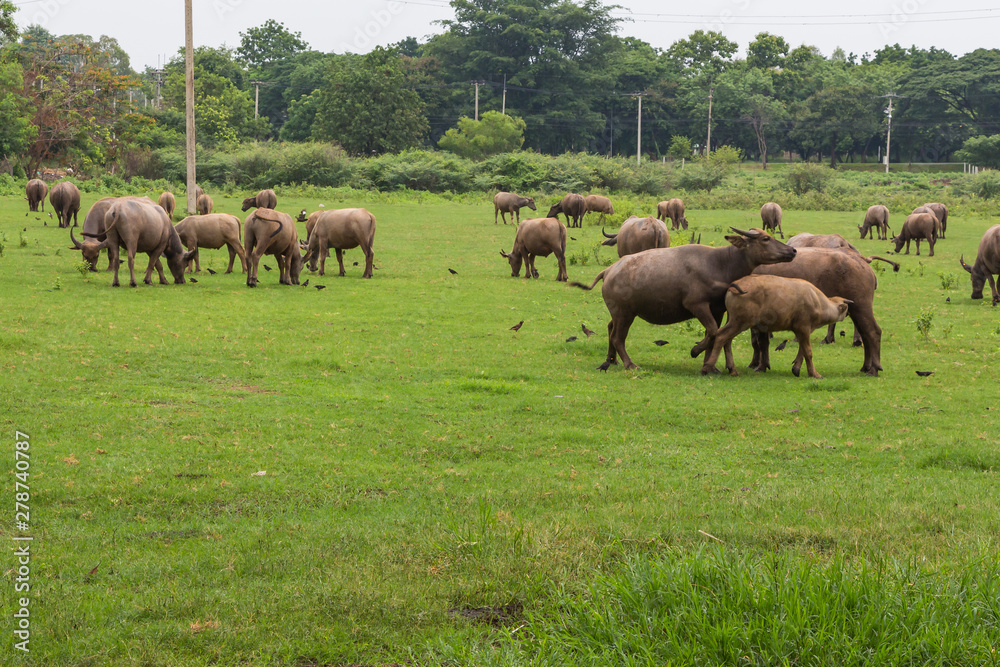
column 256, row 97
column 189, row 103
column 888, row 133
column 477, row 83
column 708, row 143
column 638, row 134
column 503, row 105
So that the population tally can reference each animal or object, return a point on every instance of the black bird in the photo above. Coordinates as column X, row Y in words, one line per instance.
column 517, row 326
column 661, row 343
column 948, row 300
column 586, row 330
column 306, row 283
column 211, row 272
column 842, row 334
column 302, row 216
column 571, row 339
column 25, row 229
column 266, row 267
column 50, row 216
column 781, row 345
column 26, row 214
column 320, row 286
column 924, row 374
column 193, row 280
column 355, row 263
column 453, row 272
column 572, row 239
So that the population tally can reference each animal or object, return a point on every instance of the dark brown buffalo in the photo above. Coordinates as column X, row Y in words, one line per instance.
column 168, row 203
column 876, row 220
column 212, row 231
column 263, row 199
column 918, row 226
column 341, row 229
column 573, row 206
column 669, row 285
column 508, row 202
column 770, row 215
column 270, row 232
column 638, row 234
column 36, row 189
column 940, row 211
column 537, row 237
column 987, row 263
column 93, row 231
column 771, row 303
column 836, row 272
column 65, row 199
column 674, row 210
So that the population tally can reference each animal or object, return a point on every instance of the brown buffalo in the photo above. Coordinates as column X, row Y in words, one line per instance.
column 770, row 215
column 674, row 210
column 36, row 189
column 263, row 199
column 168, row 203
column 341, row 229
column 572, row 206
column 638, row 234
column 987, row 263
column 537, row 237
column 508, row 202
column 204, row 204
column 93, row 231
column 65, row 199
column 213, row 231
column 876, row 220
column 598, row 204
column 918, row 226
column 771, row 303
column 807, row 240
column 940, row 211
column 669, row 285
column 836, row 272
column 139, row 225
column 270, row 232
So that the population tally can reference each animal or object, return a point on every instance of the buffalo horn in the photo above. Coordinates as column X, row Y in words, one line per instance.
column 964, row 265
column 76, row 243
column 752, row 234
column 503, row 254
column 608, row 236
column 692, row 237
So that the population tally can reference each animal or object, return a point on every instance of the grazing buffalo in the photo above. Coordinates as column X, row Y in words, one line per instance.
column 674, row 210
column 270, row 232
column 204, row 204
column 213, row 231
column 537, row 237
column 770, row 215
column 836, row 272
column 36, row 189
column 65, row 199
column 940, row 211
column 341, row 229
column 638, row 234
column 987, row 263
column 263, row 199
column 93, row 231
column 168, row 203
column 807, row 240
column 598, row 204
column 918, row 226
column 772, row 303
column 572, row 206
column 876, row 220
column 508, row 202
column 669, row 285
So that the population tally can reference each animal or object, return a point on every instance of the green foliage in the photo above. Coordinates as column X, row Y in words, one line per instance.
column 924, row 321
column 680, row 148
column 495, row 133
column 513, row 172
column 268, row 43
column 301, row 116
column 804, row 177
column 949, row 279
column 984, row 185
column 419, row 170
column 983, row 151
column 16, row 129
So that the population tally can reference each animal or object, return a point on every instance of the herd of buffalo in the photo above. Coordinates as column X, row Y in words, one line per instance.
column 765, row 285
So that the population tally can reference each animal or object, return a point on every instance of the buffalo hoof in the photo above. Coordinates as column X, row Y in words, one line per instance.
column 709, row 370
column 829, row 340
column 760, row 369
column 795, row 371
column 858, row 343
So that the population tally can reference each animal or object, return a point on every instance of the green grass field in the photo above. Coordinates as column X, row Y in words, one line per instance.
column 367, row 473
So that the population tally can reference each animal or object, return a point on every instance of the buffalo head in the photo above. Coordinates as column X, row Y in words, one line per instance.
column 760, row 247
column 978, row 279
column 91, row 251
column 515, row 260
column 531, row 204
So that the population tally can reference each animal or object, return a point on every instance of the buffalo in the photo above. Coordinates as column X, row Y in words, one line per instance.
column 669, row 285
column 674, row 210
column 876, row 220
column 36, row 189
column 168, row 203
column 807, row 240
column 263, row 199
column 537, row 236
column 940, row 212
column 508, row 202
column 93, row 230
column 204, row 204
column 987, row 263
column 270, row 232
column 918, row 226
column 598, row 204
column 65, row 199
column 573, row 206
column 213, row 231
column 341, row 229
column 638, row 234
column 770, row 215
column 771, row 303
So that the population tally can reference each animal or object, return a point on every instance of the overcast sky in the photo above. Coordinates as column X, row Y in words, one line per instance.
column 151, row 31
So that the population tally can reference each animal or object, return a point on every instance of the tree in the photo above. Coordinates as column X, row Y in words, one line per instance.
column 478, row 139
column 982, row 151
column 680, row 148
column 367, row 106
column 16, row 130
column 702, row 53
column 268, row 44
column 8, row 29
column 767, row 51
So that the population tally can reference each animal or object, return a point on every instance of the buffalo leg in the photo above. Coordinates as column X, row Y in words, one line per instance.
column 366, row 248
column 612, row 353
column 618, row 334
column 805, row 351
column 857, row 342
column 723, row 339
column 113, row 260
column 232, row 258
column 340, row 261
column 159, row 269
column 871, row 337
column 322, row 252
column 131, row 267
column 704, row 314
column 830, row 338
column 761, row 340
column 563, row 275
column 930, row 242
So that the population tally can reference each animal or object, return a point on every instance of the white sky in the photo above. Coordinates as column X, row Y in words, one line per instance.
column 149, row 31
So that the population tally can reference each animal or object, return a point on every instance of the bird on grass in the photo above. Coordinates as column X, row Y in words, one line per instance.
column 453, row 272
column 320, row 286
column 572, row 239
column 781, row 345
column 302, row 216
column 661, row 343
column 571, row 339
column 587, row 331
column 266, row 267
column 27, row 214
column 842, row 334
column 517, row 326
column 193, row 280
column 210, row 272
column 306, row 283
column 355, row 263
column 924, row 374
column 50, row 216
column 948, row 300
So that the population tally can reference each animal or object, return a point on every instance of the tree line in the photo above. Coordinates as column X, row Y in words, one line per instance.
column 562, row 72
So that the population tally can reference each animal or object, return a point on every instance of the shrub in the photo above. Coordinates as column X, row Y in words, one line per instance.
column 416, row 169
column 805, row 176
column 703, row 175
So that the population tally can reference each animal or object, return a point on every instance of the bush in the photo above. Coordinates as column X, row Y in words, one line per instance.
column 321, row 164
column 416, row 169
column 805, row 176
column 984, row 185
column 702, row 175
column 513, row 172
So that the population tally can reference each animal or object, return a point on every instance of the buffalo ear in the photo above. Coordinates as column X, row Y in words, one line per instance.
column 738, row 241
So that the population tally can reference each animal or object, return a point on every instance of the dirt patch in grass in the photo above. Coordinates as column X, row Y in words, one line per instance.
column 507, row 614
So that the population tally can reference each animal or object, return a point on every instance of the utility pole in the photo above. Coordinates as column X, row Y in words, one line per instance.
column 888, row 133
column 158, row 74
column 477, row 83
column 503, row 105
column 256, row 97
column 708, row 143
column 189, row 103
column 638, row 134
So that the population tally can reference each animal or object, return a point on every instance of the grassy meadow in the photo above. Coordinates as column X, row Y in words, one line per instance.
column 382, row 472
